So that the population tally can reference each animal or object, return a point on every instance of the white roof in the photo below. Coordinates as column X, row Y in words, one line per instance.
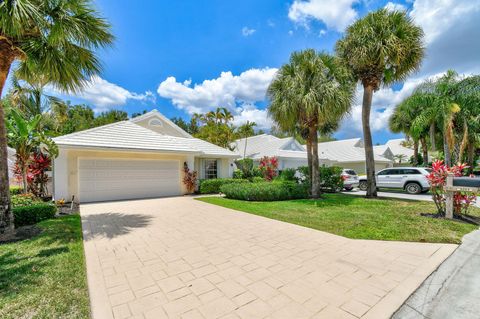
column 262, row 145
column 397, row 148
column 126, row 135
column 347, row 151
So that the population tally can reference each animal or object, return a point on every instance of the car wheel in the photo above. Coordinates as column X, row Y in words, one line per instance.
column 413, row 188
column 363, row 185
column 348, row 189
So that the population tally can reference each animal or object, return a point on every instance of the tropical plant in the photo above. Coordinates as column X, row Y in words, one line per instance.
column 54, row 39
column 399, row 158
column 382, row 48
column 245, row 131
column 189, row 178
column 310, row 94
column 25, row 137
column 462, row 201
column 269, row 167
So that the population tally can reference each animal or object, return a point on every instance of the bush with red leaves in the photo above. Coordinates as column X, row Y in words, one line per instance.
column 268, row 166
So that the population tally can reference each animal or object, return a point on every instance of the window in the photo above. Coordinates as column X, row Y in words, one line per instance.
column 210, row 168
column 350, row 172
column 410, row 171
column 388, row 172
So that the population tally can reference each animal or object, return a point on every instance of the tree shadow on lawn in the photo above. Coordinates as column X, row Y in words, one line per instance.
column 111, row 225
column 329, row 199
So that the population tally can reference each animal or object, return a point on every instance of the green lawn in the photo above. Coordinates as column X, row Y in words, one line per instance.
column 356, row 217
column 44, row 277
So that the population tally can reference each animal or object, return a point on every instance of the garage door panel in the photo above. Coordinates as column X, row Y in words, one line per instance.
column 110, row 179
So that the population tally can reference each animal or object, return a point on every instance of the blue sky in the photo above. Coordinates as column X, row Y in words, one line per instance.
column 170, row 55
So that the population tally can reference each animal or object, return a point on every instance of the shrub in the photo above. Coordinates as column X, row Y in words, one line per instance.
column 28, row 215
column 265, row 191
column 268, row 166
column 212, row 186
column 258, row 179
column 15, row 190
column 238, row 174
column 189, row 178
column 331, row 179
column 25, row 200
column 288, row 174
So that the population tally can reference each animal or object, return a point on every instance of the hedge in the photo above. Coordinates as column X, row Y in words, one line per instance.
column 265, row 191
column 28, row 215
column 212, row 186
column 25, row 200
column 15, row 190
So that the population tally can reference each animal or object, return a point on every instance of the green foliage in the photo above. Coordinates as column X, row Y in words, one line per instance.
column 248, row 169
column 238, row 174
column 212, row 186
column 331, row 178
column 15, row 190
column 288, row 174
column 109, row 117
column 265, row 191
column 21, row 200
column 418, row 162
column 257, row 179
column 28, row 215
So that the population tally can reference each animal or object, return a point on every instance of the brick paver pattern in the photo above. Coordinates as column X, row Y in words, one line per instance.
column 181, row 258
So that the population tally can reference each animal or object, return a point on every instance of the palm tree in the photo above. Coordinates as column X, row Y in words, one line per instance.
column 382, row 48
column 52, row 38
column 25, row 137
column 245, row 131
column 311, row 92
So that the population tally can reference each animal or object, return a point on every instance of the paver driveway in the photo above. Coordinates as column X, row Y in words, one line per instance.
column 181, row 258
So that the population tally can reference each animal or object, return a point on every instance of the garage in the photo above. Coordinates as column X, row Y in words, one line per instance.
column 102, row 179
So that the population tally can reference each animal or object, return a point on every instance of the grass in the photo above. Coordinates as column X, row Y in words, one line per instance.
column 44, row 277
column 356, row 217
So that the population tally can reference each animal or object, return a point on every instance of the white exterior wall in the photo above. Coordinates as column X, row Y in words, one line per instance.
column 60, row 176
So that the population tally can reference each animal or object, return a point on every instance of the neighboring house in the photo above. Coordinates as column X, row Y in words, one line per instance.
column 385, row 151
column 139, row 158
column 11, row 164
column 351, row 154
column 290, row 153
column 397, row 148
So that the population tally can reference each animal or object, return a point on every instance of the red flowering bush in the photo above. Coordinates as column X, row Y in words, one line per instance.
column 268, row 166
column 438, row 179
column 37, row 177
column 189, row 178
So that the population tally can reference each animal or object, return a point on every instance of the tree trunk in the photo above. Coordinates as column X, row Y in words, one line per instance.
column 6, row 215
column 315, row 178
column 471, row 157
column 367, row 139
column 245, row 148
column 424, row 151
column 446, row 151
column 432, row 137
column 415, row 152
column 309, row 161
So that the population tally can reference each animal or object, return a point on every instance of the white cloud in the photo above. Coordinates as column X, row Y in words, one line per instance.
column 104, row 95
column 247, row 31
column 336, row 14
column 391, row 6
column 253, row 114
column 227, row 90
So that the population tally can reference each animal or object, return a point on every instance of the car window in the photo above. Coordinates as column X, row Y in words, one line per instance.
column 350, row 172
column 388, row 172
column 411, row 171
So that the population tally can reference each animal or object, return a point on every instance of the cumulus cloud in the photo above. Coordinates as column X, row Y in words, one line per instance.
column 336, row 14
column 253, row 114
column 391, row 6
column 246, row 31
column 104, row 95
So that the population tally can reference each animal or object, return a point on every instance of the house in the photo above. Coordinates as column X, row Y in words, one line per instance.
column 11, row 164
column 350, row 153
column 384, row 150
column 289, row 152
column 139, row 158
column 398, row 149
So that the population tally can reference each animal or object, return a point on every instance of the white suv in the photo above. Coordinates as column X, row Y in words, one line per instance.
column 350, row 179
column 411, row 179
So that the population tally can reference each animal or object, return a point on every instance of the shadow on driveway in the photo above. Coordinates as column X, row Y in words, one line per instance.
column 111, row 225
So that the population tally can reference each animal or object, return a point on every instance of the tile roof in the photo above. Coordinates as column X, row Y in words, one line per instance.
column 347, row 151
column 397, row 148
column 127, row 135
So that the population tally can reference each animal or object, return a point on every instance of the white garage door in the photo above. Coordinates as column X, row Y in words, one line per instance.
column 113, row 179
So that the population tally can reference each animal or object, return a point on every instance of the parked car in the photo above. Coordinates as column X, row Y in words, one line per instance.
column 350, row 179
column 411, row 179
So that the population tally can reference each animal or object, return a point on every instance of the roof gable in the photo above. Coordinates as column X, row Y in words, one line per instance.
column 157, row 122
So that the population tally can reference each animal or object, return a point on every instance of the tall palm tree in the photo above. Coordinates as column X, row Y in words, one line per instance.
column 245, row 130
column 54, row 38
column 382, row 48
column 311, row 92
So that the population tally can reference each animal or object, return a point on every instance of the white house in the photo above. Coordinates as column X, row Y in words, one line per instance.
column 138, row 158
column 397, row 148
column 351, row 154
column 290, row 153
column 11, row 164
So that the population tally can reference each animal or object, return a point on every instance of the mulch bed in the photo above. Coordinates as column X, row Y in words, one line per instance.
column 469, row 219
column 21, row 233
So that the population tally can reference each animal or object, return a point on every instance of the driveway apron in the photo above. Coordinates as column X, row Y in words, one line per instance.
column 182, row 258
